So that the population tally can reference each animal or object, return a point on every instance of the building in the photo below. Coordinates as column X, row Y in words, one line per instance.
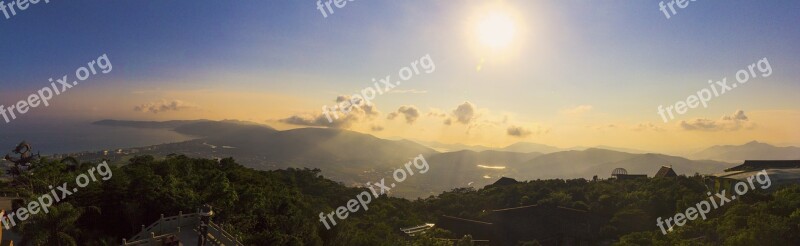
column 549, row 225
column 758, row 165
column 780, row 172
column 622, row 174
column 666, row 172
column 631, row 176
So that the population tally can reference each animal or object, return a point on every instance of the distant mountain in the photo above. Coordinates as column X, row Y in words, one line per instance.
column 525, row 147
column 349, row 157
column 147, row 124
column 469, row 168
column 520, row 147
column 628, row 150
column 477, row 169
column 593, row 161
column 650, row 163
column 750, row 151
column 572, row 163
column 443, row 147
column 319, row 148
column 223, row 128
column 356, row 158
column 202, row 128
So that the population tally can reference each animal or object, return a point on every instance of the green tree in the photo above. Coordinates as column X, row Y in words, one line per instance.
column 54, row 228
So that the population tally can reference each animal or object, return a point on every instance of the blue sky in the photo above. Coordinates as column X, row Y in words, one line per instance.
column 622, row 58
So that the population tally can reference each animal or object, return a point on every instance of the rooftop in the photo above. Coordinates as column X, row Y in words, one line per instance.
column 750, row 165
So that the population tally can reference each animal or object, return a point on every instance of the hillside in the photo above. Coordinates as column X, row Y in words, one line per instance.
column 282, row 207
column 753, row 150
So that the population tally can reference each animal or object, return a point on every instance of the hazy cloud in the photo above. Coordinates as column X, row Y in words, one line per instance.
column 411, row 113
column 319, row 120
column 435, row 112
column 521, row 131
column 604, row 127
column 727, row 123
column 518, row 131
column 644, row 126
column 580, row 109
column 448, row 121
column 647, row 126
column 738, row 115
column 163, row 106
column 411, row 91
column 464, row 113
column 359, row 112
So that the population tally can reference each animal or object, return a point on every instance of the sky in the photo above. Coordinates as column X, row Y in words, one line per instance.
column 563, row 73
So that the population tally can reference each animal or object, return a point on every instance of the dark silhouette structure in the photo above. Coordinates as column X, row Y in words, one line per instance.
column 666, row 172
column 549, row 225
column 184, row 229
column 753, row 165
column 26, row 156
column 622, row 174
column 619, row 171
column 505, row 181
column 780, row 172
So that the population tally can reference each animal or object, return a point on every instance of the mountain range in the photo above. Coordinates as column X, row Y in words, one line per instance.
column 356, row 158
column 752, row 150
column 522, row 147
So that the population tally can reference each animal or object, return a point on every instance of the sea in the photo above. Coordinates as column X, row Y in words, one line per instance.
column 62, row 137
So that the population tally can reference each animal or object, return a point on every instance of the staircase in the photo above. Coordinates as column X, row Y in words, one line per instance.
column 185, row 227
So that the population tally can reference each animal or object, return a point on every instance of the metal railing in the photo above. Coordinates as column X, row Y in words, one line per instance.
column 167, row 226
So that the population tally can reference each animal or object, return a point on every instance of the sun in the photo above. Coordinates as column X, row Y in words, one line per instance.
column 496, row 33
column 496, row 30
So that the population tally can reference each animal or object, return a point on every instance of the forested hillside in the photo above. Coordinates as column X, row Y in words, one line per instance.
column 282, row 207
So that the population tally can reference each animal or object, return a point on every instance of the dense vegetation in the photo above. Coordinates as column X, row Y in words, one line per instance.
column 281, row 207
